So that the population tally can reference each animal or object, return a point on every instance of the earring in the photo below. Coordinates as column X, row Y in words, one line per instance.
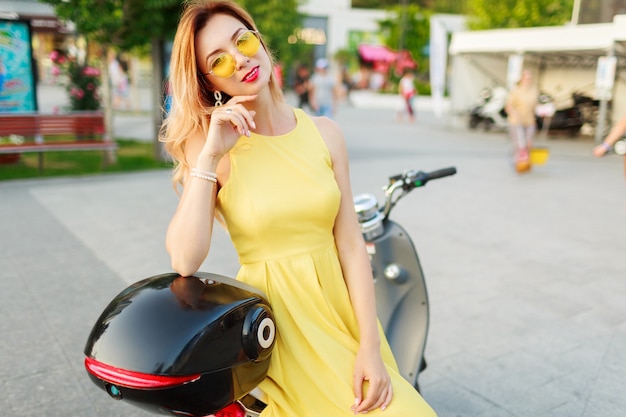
column 218, row 98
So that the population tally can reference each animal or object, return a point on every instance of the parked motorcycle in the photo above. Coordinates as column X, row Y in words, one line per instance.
column 568, row 119
column 151, row 344
column 475, row 115
column 489, row 111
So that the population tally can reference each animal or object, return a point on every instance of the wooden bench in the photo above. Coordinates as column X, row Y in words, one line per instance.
column 87, row 128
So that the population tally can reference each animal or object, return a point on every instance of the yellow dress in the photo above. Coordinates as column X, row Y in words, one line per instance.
column 279, row 206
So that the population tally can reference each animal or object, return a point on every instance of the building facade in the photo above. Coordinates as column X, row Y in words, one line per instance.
column 48, row 32
column 339, row 25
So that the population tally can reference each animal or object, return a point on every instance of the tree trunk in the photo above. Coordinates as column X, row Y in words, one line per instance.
column 107, row 103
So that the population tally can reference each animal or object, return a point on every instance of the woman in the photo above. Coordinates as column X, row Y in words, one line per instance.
column 520, row 109
column 406, row 88
column 278, row 180
column 617, row 132
column 301, row 86
column 323, row 89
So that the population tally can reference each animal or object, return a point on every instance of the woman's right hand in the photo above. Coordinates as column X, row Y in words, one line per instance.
column 228, row 123
column 600, row 150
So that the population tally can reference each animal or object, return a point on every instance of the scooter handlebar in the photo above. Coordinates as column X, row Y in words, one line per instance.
column 440, row 173
column 420, row 178
column 407, row 182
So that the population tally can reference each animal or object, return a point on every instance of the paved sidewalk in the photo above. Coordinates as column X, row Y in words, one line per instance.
column 526, row 273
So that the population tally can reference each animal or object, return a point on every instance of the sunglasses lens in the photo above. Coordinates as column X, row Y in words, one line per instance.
column 248, row 43
column 223, row 65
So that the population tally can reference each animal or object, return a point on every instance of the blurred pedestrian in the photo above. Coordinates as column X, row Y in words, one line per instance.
column 617, row 132
column 302, row 85
column 167, row 102
column 520, row 109
column 123, row 85
column 347, row 84
column 323, row 90
column 120, row 83
column 406, row 89
column 278, row 73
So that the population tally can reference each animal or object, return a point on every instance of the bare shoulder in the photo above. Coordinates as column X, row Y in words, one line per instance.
column 332, row 135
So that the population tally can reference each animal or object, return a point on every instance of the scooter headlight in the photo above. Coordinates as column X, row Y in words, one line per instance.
column 370, row 217
column 393, row 272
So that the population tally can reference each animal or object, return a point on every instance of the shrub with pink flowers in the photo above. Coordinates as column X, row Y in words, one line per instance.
column 82, row 81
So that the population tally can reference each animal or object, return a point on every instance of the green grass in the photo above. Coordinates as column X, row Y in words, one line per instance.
column 131, row 156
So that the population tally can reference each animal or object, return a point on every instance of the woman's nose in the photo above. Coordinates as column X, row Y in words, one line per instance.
column 240, row 59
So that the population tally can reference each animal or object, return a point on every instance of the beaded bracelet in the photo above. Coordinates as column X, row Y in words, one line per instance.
column 606, row 146
column 205, row 175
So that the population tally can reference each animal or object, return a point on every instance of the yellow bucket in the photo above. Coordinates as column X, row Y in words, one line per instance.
column 539, row 156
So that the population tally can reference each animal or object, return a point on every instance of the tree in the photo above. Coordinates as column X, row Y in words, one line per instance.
column 408, row 28
column 447, row 6
column 127, row 25
column 277, row 20
column 435, row 6
column 119, row 24
column 494, row 14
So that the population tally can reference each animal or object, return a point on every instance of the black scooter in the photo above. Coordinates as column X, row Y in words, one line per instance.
column 569, row 119
column 199, row 345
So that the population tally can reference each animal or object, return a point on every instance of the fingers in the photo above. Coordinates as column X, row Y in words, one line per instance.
column 241, row 119
column 599, row 151
column 357, row 385
column 379, row 395
column 248, row 116
column 387, row 400
column 372, row 401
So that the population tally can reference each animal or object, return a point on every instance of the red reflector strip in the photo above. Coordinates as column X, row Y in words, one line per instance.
column 138, row 380
column 232, row 410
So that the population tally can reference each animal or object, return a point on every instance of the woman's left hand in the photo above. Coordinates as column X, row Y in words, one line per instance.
column 369, row 367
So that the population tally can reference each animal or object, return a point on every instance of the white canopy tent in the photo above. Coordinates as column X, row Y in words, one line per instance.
column 563, row 58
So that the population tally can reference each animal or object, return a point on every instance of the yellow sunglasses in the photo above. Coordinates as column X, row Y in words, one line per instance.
column 224, row 65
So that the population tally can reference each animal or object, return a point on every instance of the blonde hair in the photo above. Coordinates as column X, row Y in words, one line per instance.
column 191, row 92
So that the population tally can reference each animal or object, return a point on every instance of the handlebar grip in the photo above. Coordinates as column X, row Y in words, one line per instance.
column 440, row 173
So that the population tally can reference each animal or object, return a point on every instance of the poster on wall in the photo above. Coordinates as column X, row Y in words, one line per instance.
column 17, row 86
column 605, row 77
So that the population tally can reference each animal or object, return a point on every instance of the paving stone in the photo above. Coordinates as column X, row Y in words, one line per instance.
column 525, row 273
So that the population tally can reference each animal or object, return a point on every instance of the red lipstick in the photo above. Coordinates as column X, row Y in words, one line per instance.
column 252, row 75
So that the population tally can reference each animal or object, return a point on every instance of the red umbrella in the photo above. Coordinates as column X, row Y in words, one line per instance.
column 376, row 53
column 404, row 61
